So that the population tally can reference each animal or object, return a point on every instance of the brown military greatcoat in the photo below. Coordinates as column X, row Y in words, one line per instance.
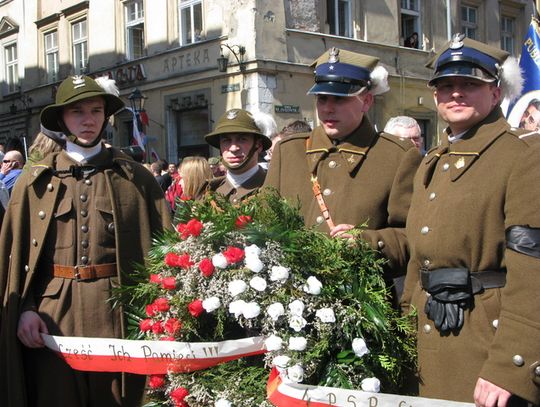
column 365, row 179
column 222, row 186
column 128, row 205
column 466, row 195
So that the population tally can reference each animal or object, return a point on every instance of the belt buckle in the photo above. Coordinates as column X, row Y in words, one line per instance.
column 77, row 274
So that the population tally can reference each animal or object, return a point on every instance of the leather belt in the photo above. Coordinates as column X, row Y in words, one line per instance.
column 487, row 278
column 81, row 273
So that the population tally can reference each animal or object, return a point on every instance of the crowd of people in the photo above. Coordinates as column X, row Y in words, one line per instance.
column 457, row 224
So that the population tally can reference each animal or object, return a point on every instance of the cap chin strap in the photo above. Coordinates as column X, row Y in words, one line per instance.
column 245, row 161
column 73, row 138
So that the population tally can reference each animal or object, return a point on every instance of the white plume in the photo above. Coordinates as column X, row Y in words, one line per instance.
column 511, row 79
column 108, row 85
column 379, row 80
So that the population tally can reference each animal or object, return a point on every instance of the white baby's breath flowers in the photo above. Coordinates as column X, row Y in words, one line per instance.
column 254, row 264
column 258, row 283
column 252, row 250
column 279, row 273
column 275, row 310
column 252, row 310
column 326, row 315
column 295, row 373
column 219, row 261
column 297, row 323
column 359, row 347
column 211, row 304
column 313, row 286
column 371, row 384
column 237, row 287
column 298, row 343
column 273, row 343
column 237, row 308
column 296, row 308
column 222, row 403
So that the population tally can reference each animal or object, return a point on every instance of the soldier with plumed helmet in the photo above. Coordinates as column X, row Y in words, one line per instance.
column 344, row 172
column 78, row 222
column 474, row 232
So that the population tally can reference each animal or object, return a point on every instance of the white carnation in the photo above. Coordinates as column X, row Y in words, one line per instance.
column 252, row 310
column 237, row 287
column 275, row 310
column 371, row 384
column 359, row 347
column 296, row 307
column 254, row 264
column 297, row 323
column 219, row 261
column 222, row 403
column 237, row 307
column 258, row 283
column 298, row 343
column 279, row 273
column 211, row 304
column 295, row 373
column 313, row 286
column 326, row 315
column 281, row 361
column 273, row 343
column 252, row 250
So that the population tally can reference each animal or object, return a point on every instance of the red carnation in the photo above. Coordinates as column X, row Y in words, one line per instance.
column 168, row 283
column 156, row 381
column 161, row 304
column 167, row 339
column 206, row 267
column 233, row 254
column 242, row 221
column 145, row 325
column 195, row 308
column 178, row 395
column 157, row 328
column 173, row 325
column 155, row 278
column 151, row 310
column 174, row 260
column 192, row 228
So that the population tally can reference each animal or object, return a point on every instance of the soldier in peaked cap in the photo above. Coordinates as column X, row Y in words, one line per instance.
column 474, row 232
column 344, row 172
column 78, row 221
column 240, row 140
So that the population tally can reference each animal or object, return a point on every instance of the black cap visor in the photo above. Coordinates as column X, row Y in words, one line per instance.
column 336, row 89
column 461, row 69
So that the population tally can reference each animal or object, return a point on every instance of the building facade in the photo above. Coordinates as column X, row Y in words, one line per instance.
column 170, row 50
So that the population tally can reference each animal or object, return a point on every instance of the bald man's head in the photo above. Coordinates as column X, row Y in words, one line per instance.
column 14, row 158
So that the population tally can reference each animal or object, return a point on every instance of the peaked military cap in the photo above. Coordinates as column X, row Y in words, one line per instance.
column 466, row 57
column 342, row 73
column 74, row 89
column 236, row 121
column 213, row 161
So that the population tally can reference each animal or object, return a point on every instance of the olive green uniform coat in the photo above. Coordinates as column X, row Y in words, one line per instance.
column 221, row 185
column 466, row 195
column 42, row 226
column 365, row 179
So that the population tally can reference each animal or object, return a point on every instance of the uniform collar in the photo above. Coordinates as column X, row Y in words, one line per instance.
column 352, row 149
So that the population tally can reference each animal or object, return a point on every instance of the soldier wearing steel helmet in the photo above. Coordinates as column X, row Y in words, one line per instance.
column 240, row 140
column 344, row 172
column 78, row 222
column 474, row 232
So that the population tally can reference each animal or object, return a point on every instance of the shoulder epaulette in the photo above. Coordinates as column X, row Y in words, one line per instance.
column 405, row 144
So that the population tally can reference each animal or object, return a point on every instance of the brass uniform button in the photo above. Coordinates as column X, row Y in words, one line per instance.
column 50, row 187
column 427, row 328
column 380, row 244
column 41, row 214
column 332, row 164
column 320, row 219
column 518, row 360
column 432, row 196
column 445, row 167
column 424, row 230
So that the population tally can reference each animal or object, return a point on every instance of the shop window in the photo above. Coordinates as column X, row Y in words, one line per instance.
column 191, row 21
column 192, row 122
column 134, row 18
column 507, row 34
column 410, row 23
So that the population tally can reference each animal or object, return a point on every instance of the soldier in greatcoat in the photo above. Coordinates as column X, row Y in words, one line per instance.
column 473, row 231
column 77, row 223
column 344, row 172
column 240, row 140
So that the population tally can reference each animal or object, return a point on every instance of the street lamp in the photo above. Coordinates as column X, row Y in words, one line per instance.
column 223, row 61
column 136, row 99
